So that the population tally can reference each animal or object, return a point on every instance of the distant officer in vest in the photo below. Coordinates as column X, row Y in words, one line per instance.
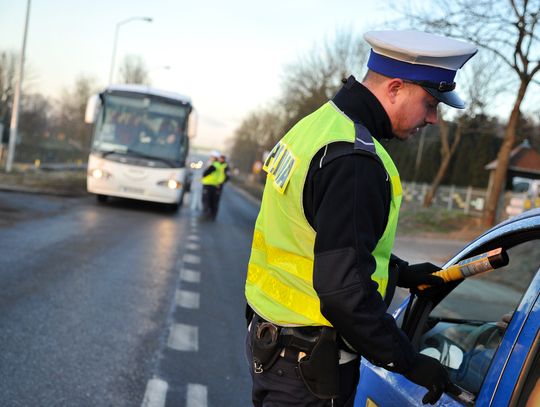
column 225, row 168
column 321, row 274
column 223, row 178
column 212, row 179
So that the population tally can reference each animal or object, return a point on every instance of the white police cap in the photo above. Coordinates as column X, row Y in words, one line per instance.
column 426, row 59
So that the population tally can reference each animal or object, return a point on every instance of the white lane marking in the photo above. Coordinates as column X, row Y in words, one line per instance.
column 191, row 258
column 187, row 299
column 190, row 276
column 193, row 238
column 192, row 246
column 197, row 395
column 184, row 337
column 155, row 394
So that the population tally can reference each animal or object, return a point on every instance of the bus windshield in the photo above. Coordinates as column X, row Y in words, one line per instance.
column 142, row 126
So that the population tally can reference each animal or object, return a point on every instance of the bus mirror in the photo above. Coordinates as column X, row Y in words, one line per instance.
column 92, row 109
column 192, row 124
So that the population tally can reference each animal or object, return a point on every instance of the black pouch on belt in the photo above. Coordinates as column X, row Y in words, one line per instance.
column 320, row 369
column 265, row 345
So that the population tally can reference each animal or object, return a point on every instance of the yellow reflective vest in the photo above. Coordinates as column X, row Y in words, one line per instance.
column 279, row 284
column 222, row 172
column 216, row 176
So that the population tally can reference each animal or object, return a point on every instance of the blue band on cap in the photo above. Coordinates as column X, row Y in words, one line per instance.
column 414, row 72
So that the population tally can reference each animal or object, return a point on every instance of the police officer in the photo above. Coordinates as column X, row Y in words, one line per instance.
column 212, row 179
column 224, row 168
column 223, row 178
column 321, row 273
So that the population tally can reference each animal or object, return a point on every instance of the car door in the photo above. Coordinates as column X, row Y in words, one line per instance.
column 519, row 381
column 476, row 327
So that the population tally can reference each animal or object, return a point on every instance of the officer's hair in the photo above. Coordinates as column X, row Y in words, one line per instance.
column 374, row 77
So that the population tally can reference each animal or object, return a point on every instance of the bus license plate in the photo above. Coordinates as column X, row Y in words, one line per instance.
column 131, row 190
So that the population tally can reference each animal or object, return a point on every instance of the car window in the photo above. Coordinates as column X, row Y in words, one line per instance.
column 467, row 326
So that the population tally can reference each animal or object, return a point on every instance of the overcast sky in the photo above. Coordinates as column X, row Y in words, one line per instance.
column 226, row 55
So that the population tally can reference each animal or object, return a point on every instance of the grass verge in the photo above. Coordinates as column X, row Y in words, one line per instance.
column 65, row 182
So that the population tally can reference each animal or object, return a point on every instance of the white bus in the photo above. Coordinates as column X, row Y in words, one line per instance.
column 139, row 145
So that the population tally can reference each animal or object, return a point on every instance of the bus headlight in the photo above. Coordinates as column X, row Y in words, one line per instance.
column 171, row 184
column 99, row 173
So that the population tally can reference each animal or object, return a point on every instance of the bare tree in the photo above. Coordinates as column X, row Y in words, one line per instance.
column 508, row 29
column 314, row 78
column 70, row 113
column 35, row 113
column 258, row 133
column 480, row 86
column 447, row 152
column 133, row 70
column 307, row 84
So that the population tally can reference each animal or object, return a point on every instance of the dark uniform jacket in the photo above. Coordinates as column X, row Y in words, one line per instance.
column 346, row 201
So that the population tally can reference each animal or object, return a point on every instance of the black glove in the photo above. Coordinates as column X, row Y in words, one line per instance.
column 417, row 274
column 429, row 373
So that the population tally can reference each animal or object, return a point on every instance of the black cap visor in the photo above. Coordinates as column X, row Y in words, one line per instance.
column 450, row 98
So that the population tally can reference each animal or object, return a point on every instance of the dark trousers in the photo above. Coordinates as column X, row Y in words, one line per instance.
column 210, row 200
column 281, row 386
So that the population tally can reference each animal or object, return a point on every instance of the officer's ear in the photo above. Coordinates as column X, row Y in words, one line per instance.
column 393, row 88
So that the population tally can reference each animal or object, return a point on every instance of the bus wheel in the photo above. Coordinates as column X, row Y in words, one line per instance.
column 101, row 198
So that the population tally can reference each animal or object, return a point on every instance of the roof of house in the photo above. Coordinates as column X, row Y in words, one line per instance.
column 523, row 158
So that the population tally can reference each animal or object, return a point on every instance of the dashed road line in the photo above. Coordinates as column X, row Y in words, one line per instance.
column 187, row 299
column 197, row 395
column 192, row 246
column 156, row 393
column 184, row 337
column 192, row 259
column 190, row 276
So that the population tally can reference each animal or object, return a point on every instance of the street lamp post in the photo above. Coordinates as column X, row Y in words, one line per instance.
column 17, row 98
column 147, row 19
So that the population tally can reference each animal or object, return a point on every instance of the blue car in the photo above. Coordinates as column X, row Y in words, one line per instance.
column 483, row 329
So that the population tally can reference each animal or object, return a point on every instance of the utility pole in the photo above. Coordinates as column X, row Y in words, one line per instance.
column 17, row 98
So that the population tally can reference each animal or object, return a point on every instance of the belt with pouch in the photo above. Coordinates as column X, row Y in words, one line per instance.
column 317, row 358
column 300, row 340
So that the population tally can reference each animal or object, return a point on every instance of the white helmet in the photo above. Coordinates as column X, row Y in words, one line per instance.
column 215, row 154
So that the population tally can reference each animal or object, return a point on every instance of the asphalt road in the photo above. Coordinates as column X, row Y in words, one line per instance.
column 110, row 305
column 91, row 298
